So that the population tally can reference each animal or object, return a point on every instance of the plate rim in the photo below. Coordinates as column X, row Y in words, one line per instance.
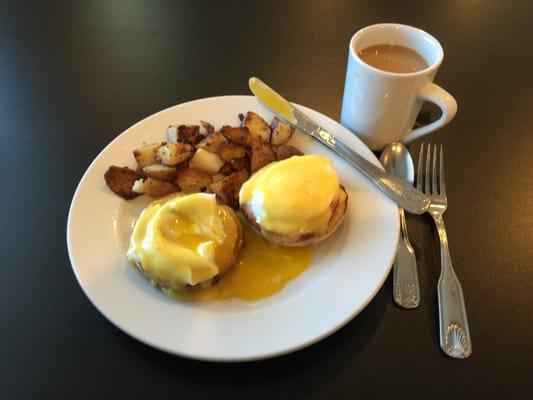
column 190, row 355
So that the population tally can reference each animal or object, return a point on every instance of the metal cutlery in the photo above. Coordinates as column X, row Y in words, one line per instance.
column 454, row 333
column 403, row 194
column 429, row 195
column 406, row 290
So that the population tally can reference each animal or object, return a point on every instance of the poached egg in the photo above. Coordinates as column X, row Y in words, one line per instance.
column 293, row 197
column 185, row 240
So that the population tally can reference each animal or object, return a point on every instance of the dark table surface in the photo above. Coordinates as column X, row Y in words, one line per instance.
column 73, row 75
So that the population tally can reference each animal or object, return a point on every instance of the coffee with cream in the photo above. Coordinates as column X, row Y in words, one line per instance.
column 393, row 58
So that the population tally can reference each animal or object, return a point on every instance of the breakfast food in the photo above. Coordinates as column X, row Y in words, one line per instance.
column 262, row 269
column 185, row 241
column 191, row 236
column 121, row 181
column 262, row 154
column 227, row 189
column 201, row 159
column 286, row 151
column 295, row 202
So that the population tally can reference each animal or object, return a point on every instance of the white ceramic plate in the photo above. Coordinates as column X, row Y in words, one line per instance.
column 347, row 270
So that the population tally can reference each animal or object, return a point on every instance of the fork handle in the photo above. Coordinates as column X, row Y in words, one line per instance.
column 454, row 333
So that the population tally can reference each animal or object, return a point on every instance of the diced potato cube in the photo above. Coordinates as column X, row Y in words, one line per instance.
column 156, row 189
column 228, row 151
column 262, row 154
column 281, row 132
column 120, row 180
column 174, row 153
column 183, row 133
column 216, row 187
column 212, row 141
column 286, row 150
column 240, row 163
column 161, row 172
column 237, row 135
column 192, row 180
column 228, row 188
column 226, row 169
column 206, row 161
column 217, row 177
column 138, row 186
column 259, row 129
column 146, row 155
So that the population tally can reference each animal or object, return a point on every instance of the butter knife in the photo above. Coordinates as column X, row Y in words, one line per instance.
column 406, row 196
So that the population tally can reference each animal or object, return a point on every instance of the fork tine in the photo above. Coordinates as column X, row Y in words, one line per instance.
column 442, row 184
column 419, row 173
column 434, row 188
column 427, row 188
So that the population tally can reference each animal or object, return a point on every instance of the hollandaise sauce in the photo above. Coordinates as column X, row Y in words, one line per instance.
column 293, row 196
column 185, row 240
column 262, row 269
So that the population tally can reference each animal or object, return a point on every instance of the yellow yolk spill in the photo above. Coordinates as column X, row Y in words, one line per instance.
column 262, row 269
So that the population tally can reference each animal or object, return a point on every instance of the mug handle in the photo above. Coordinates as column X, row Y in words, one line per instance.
column 437, row 95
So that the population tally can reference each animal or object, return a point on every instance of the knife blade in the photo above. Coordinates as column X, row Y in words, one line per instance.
column 406, row 196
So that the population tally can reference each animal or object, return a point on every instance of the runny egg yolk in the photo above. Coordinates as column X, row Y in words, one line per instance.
column 262, row 269
column 182, row 240
column 185, row 240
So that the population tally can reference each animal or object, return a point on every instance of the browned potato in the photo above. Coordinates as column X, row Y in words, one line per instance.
column 208, row 127
column 281, row 132
column 217, row 177
column 259, row 129
column 216, row 188
column 286, row 150
column 183, row 133
column 161, row 172
column 226, row 169
column 206, row 161
column 240, row 163
column 237, row 135
column 120, row 180
column 228, row 188
column 228, row 151
column 138, row 186
column 199, row 138
column 262, row 154
column 232, row 185
column 174, row 153
column 146, row 155
column 172, row 134
column 212, row 141
column 192, row 180
column 156, row 189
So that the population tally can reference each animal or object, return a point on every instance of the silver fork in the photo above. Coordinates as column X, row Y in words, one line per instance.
column 454, row 333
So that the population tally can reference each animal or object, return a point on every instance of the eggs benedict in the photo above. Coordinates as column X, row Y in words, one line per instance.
column 295, row 202
column 185, row 241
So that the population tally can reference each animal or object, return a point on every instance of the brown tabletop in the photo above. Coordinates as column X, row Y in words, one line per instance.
column 73, row 75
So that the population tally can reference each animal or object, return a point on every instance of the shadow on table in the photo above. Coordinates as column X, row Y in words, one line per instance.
column 310, row 367
column 427, row 249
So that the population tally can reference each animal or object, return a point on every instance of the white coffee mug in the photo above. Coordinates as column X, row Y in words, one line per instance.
column 381, row 107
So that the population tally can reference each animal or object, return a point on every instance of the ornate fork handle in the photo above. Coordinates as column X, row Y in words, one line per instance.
column 454, row 333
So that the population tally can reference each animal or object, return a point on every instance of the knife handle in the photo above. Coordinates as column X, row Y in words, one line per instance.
column 406, row 196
